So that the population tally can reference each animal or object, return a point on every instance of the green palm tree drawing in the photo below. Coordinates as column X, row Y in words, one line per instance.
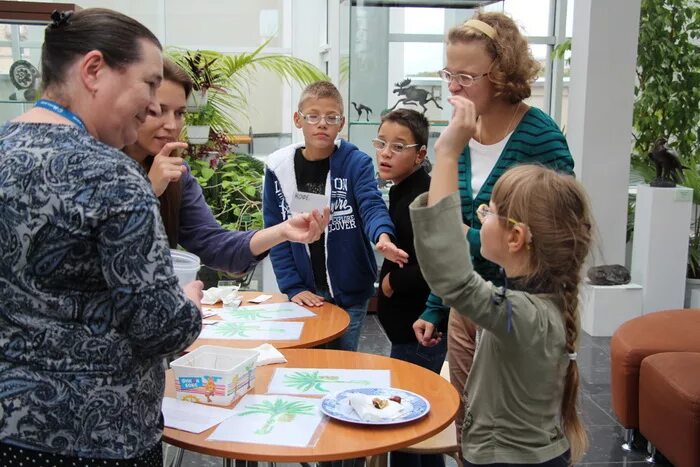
column 277, row 411
column 247, row 313
column 308, row 380
column 241, row 329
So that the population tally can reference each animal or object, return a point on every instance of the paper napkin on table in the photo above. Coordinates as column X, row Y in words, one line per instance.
column 365, row 409
column 226, row 295
column 268, row 355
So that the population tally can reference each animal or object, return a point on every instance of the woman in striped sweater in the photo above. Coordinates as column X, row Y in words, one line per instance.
column 489, row 62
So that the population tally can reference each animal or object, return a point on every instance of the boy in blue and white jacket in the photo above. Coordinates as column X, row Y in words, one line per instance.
column 340, row 267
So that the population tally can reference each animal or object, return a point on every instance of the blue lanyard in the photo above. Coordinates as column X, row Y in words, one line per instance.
column 60, row 110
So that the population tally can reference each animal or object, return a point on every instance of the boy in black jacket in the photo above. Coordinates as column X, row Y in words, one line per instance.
column 401, row 146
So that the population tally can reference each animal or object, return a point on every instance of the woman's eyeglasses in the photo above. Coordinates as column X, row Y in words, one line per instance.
column 395, row 148
column 462, row 79
column 315, row 119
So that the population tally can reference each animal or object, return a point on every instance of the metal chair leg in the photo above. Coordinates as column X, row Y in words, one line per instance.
column 651, row 449
column 629, row 439
column 177, row 459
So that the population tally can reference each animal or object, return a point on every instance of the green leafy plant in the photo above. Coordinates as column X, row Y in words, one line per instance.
column 277, row 411
column 206, row 116
column 233, row 189
column 667, row 93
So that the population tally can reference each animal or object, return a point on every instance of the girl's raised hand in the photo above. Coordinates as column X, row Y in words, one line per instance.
column 166, row 168
column 459, row 131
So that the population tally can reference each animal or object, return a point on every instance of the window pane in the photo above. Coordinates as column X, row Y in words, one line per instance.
column 417, row 21
column 532, row 15
column 539, row 51
column 570, row 18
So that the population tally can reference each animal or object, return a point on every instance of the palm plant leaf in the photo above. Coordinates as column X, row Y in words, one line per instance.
column 232, row 73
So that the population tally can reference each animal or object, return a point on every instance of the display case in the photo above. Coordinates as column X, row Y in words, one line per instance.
column 21, row 36
column 390, row 54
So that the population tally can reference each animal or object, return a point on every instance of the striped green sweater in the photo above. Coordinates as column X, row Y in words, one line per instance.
column 536, row 140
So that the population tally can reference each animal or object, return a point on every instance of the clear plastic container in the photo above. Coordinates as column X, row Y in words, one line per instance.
column 186, row 266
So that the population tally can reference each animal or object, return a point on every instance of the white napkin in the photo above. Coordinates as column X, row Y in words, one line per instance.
column 214, row 294
column 365, row 409
column 268, row 355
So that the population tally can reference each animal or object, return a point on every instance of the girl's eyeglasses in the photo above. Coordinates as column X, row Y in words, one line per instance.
column 484, row 211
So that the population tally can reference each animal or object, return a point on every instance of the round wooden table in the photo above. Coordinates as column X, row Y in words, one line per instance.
column 337, row 440
column 330, row 322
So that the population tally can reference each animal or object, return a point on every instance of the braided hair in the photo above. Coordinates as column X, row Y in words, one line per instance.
column 555, row 208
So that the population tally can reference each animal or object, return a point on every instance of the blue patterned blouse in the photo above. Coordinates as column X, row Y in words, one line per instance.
column 89, row 305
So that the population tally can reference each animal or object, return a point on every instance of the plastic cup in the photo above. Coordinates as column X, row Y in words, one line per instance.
column 186, row 266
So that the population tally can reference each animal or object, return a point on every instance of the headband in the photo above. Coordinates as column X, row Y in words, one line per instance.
column 482, row 27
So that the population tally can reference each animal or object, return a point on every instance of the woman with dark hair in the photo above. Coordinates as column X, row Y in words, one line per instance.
column 187, row 218
column 89, row 302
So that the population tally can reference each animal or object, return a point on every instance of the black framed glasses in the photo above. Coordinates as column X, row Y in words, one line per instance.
column 395, row 148
column 315, row 119
column 462, row 79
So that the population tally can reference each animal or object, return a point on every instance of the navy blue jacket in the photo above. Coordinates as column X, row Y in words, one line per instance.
column 358, row 216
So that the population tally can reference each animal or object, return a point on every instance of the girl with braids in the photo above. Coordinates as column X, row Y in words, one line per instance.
column 522, row 389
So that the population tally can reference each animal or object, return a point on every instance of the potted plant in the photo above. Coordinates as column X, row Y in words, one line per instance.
column 198, row 124
column 204, row 75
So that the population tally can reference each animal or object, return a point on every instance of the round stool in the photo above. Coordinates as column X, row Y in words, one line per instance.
column 669, row 406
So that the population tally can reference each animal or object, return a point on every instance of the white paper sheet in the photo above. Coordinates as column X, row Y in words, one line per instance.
column 262, row 331
column 321, row 381
column 267, row 312
column 192, row 417
column 279, row 420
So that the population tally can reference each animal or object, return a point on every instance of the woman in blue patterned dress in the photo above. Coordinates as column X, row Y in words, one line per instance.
column 89, row 304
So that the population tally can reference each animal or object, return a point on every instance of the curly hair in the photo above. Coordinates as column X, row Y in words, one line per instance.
column 514, row 67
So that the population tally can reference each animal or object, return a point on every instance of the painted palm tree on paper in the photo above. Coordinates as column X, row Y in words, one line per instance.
column 313, row 380
column 229, row 329
column 277, row 411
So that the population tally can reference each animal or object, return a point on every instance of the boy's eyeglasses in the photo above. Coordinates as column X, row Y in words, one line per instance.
column 315, row 119
column 395, row 148
column 462, row 79
column 484, row 211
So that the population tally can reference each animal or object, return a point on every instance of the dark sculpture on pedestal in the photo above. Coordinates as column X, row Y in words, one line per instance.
column 609, row 274
column 413, row 95
column 669, row 169
column 360, row 108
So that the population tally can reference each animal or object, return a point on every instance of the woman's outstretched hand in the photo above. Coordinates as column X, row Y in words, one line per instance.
column 307, row 227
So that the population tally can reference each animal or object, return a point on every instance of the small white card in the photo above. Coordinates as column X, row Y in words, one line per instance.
column 260, row 298
column 306, row 202
column 209, row 312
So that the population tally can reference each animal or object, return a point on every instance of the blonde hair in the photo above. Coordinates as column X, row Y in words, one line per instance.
column 555, row 208
column 321, row 90
column 514, row 67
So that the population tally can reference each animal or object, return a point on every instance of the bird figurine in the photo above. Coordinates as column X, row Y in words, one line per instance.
column 669, row 169
column 360, row 108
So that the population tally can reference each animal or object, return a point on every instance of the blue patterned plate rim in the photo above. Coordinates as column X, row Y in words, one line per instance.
column 331, row 405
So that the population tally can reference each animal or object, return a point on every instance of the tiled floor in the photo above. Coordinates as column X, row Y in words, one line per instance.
column 605, row 434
